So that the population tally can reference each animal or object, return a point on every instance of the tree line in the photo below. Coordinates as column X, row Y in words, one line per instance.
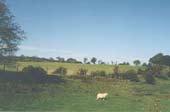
column 93, row 60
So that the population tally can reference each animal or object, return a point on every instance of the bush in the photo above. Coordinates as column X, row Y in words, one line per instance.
column 82, row 71
column 60, row 71
column 156, row 69
column 150, row 79
column 168, row 74
column 34, row 74
column 130, row 75
column 93, row 74
column 101, row 73
column 35, row 71
column 140, row 71
column 159, row 72
column 116, row 73
column 162, row 76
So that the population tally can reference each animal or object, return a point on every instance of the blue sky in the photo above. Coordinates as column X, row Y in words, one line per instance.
column 118, row 30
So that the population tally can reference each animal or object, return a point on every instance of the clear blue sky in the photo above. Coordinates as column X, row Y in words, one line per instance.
column 118, row 30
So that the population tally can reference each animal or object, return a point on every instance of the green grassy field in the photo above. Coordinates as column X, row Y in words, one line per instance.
column 73, row 68
column 79, row 95
column 76, row 95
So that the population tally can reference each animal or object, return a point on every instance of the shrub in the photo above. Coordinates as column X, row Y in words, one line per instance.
column 93, row 74
column 130, row 75
column 101, row 73
column 168, row 74
column 149, row 78
column 61, row 71
column 82, row 71
column 116, row 73
column 88, row 63
column 162, row 76
column 35, row 71
column 156, row 69
column 140, row 71
column 162, row 73
column 35, row 74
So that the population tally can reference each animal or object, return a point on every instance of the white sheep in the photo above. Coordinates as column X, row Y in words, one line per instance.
column 101, row 96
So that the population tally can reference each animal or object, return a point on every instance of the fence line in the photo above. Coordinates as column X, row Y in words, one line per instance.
column 9, row 67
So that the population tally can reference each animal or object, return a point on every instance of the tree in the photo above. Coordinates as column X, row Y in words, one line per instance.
column 100, row 61
column 160, row 59
column 60, row 59
column 11, row 34
column 137, row 62
column 103, row 63
column 124, row 63
column 156, row 59
column 51, row 59
column 88, row 63
column 93, row 60
column 145, row 65
column 71, row 60
column 85, row 60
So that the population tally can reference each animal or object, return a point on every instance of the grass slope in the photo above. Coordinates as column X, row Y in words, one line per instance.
column 75, row 95
column 73, row 68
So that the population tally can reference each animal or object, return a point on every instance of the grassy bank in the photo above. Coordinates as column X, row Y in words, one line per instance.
column 73, row 68
column 75, row 95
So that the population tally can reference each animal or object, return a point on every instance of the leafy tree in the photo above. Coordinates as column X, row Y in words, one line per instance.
column 88, row 63
column 145, row 65
column 11, row 34
column 156, row 59
column 6, row 60
column 51, row 59
column 93, row 60
column 71, row 60
column 85, row 60
column 101, row 62
column 137, row 62
column 160, row 59
column 60, row 59
column 125, row 63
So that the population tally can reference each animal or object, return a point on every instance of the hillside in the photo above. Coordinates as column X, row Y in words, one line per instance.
column 75, row 95
column 72, row 68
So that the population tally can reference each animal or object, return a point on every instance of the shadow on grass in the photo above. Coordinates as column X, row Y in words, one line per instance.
column 22, row 77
